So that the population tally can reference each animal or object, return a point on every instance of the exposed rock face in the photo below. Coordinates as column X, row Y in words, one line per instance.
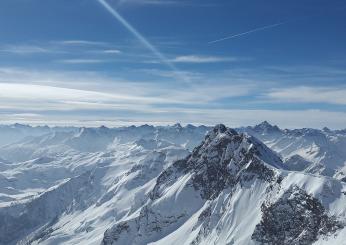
column 217, row 163
column 140, row 229
column 112, row 236
column 266, row 127
column 296, row 163
column 231, row 189
column 224, row 159
column 296, row 218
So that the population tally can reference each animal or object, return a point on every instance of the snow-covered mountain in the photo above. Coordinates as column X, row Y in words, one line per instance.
column 310, row 150
column 163, row 185
column 16, row 132
column 231, row 190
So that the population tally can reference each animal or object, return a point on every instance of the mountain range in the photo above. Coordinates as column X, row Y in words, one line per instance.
column 172, row 185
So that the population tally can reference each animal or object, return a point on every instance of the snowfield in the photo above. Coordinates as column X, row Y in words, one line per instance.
column 172, row 185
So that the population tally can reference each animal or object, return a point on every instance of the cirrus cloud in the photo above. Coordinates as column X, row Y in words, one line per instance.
column 305, row 94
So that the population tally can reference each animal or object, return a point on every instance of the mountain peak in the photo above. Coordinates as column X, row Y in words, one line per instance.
column 266, row 123
column 220, row 129
column 177, row 125
column 219, row 162
column 265, row 126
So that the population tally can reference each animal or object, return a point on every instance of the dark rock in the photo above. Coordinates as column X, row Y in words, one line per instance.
column 296, row 218
column 223, row 159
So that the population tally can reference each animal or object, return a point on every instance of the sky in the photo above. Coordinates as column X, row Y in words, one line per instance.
column 125, row 62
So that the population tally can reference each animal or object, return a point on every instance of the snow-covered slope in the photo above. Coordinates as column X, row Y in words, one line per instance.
column 16, row 132
column 38, row 163
column 162, row 185
column 99, row 139
column 312, row 150
column 231, row 190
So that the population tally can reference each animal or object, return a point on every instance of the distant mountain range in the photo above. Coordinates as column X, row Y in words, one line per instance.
column 172, row 185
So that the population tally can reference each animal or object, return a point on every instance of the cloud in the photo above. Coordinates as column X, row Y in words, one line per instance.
column 91, row 98
column 112, row 51
column 128, row 95
column 60, row 91
column 24, row 49
column 82, row 43
column 171, row 74
column 83, row 61
column 29, row 98
column 304, row 94
column 66, row 48
column 139, row 37
column 202, row 59
column 230, row 117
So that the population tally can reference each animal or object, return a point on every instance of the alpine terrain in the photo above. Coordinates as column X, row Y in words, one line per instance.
column 172, row 185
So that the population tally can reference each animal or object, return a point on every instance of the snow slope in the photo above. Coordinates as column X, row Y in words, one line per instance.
column 163, row 185
column 16, row 132
column 231, row 191
column 312, row 150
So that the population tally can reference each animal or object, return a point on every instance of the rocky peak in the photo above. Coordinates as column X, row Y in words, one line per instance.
column 266, row 127
column 177, row 126
column 265, row 124
column 220, row 130
column 327, row 130
column 221, row 161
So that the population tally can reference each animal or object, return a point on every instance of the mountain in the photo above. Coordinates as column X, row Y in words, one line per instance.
column 312, row 150
column 214, row 196
column 74, row 192
column 163, row 185
column 16, row 132
column 58, row 141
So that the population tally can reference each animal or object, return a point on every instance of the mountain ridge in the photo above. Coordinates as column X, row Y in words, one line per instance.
column 146, row 186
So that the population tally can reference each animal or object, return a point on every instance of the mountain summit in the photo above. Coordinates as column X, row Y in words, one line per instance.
column 213, row 197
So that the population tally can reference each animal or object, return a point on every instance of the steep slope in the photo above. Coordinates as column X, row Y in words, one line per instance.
column 92, row 140
column 71, row 192
column 76, row 207
column 316, row 151
column 150, row 189
column 214, row 196
column 38, row 163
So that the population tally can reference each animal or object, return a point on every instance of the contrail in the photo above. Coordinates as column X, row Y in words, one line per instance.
column 248, row 32
column 140, row 37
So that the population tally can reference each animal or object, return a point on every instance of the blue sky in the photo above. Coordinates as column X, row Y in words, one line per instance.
column 119, row 62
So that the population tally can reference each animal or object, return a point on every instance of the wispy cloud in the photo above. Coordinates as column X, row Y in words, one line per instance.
column 61, row 92
column 172, row 74
column 25, row 49
column 203, row 59
column 138, row 35
column 304, row 94
column 112, row 51
column 83, row 61
column 82, row 43
column 58, row 97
